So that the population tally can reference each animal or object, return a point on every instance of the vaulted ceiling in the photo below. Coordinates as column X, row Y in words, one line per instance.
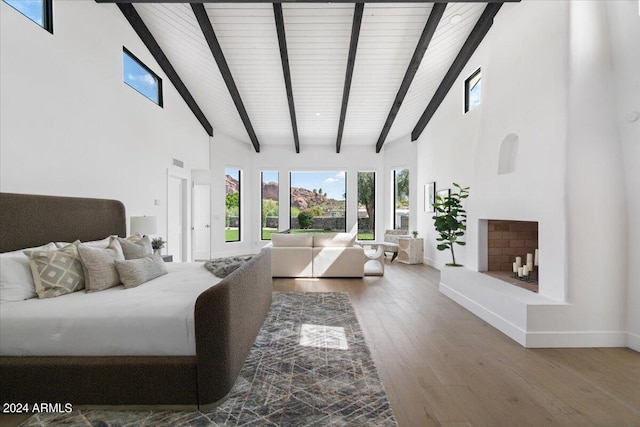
column 299, row 74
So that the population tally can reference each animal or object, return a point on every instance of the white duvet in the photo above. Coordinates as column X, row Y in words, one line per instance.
column 154, row 319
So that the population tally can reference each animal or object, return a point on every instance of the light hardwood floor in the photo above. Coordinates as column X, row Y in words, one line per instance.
column 443, row 366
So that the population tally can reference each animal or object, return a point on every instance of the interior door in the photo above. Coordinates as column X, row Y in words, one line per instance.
column 201, row 230
column 175, row 218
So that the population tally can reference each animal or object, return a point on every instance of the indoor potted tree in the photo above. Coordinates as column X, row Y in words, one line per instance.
column 450, row 220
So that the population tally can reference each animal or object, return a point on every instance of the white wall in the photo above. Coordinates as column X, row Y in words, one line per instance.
column 624, row 27
column 553, row 90
column 71, row 127
column 229, row 152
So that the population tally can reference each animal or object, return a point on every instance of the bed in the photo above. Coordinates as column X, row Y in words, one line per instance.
column 226, row 319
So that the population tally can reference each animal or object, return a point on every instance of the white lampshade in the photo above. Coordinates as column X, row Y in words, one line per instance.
column 145, row 225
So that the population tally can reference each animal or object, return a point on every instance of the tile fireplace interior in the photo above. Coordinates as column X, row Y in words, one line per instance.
column 507, row 240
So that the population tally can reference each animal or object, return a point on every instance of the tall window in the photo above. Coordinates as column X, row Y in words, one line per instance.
column 39, row 11
column 141, row 78
column 232, row 202
column 366, row 205
column 318, row 201
column 270, row 200
column 472, row 91
column 401, row 199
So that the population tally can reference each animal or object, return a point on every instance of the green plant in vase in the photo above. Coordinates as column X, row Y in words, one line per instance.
column 450, row 220
column 157, row 244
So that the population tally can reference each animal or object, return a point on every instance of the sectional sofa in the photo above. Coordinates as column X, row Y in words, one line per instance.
column 316, row 255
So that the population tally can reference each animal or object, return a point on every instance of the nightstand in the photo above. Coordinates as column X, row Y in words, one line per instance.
column 167, row 258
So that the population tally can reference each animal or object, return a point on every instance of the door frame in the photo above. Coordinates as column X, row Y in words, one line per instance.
column 193, row 212
column 185, row 179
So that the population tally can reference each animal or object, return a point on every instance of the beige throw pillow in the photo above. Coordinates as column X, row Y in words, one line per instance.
column 134, row 247
column 137, row 271
column 57, row 272
column 99, row 265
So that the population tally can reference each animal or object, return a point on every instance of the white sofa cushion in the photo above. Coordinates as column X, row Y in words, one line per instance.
column 291, row 262
column 338, row 262
column 334, row 240
column 291, row 240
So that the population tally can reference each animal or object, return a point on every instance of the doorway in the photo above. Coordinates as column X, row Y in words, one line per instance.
column 177, row 217
column 201, row 220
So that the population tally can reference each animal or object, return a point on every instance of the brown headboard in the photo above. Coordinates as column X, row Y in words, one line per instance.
column 28, row 220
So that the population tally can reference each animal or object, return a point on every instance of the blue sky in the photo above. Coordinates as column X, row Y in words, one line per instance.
column 270, row 177
column 332, row 183
column 139, row 78
column 31, row 8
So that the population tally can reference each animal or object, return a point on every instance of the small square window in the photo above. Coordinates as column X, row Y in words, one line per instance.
column 472, row 91
column 141, row 78
column 39, row 11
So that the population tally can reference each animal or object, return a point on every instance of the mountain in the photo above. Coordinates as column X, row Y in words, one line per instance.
column 300, row 197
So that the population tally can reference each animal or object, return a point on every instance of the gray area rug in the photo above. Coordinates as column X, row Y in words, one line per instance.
column 309, row 366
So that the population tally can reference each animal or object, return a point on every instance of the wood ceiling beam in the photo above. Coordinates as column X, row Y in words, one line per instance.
column 470, row 45
column 351, row 61
column 216, row 51
column 150, row 42
column 308, row 1
column 423, row 43
column 284, row 57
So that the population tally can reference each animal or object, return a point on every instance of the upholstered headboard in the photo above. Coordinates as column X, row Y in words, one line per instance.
column 28, row 220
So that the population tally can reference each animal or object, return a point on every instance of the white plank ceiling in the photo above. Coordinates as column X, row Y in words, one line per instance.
column 318, row 37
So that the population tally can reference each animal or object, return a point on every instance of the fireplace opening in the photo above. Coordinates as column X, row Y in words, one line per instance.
column 512, row 248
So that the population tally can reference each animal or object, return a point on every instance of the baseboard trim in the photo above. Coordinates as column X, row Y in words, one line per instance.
column 633, row 341
column 503, row 325
column 580, row 339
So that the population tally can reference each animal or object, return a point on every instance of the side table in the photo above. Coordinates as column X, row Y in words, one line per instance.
column 167, row 258
column 410, row 250
column 374, row 260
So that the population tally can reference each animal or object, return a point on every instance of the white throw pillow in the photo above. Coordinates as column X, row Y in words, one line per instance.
column 16, row 280
column 291, row 240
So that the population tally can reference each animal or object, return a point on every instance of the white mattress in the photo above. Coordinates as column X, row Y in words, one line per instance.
column 154, row 319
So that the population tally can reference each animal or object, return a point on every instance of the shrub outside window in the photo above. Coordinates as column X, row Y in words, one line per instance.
column 318, row 201
column 232, row 216
column 270, row 200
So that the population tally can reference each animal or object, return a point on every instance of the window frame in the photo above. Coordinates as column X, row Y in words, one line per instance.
column 375, row 202
column 130, row 54
column 239, row 205
column 467, row 89
column 47, row 15
column 346, row 205
column 395, row 196
column 262, row 201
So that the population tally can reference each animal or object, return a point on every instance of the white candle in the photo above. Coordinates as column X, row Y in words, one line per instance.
column 525, row 271
column 535, row 260
column 515, row 267
column 530, row 267
column 520, row 269
column 519, row 261
column 529, row 259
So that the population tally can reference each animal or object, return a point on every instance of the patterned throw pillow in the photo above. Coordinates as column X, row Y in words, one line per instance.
column 135, row 247
column 99, row 265
column 56, row 272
